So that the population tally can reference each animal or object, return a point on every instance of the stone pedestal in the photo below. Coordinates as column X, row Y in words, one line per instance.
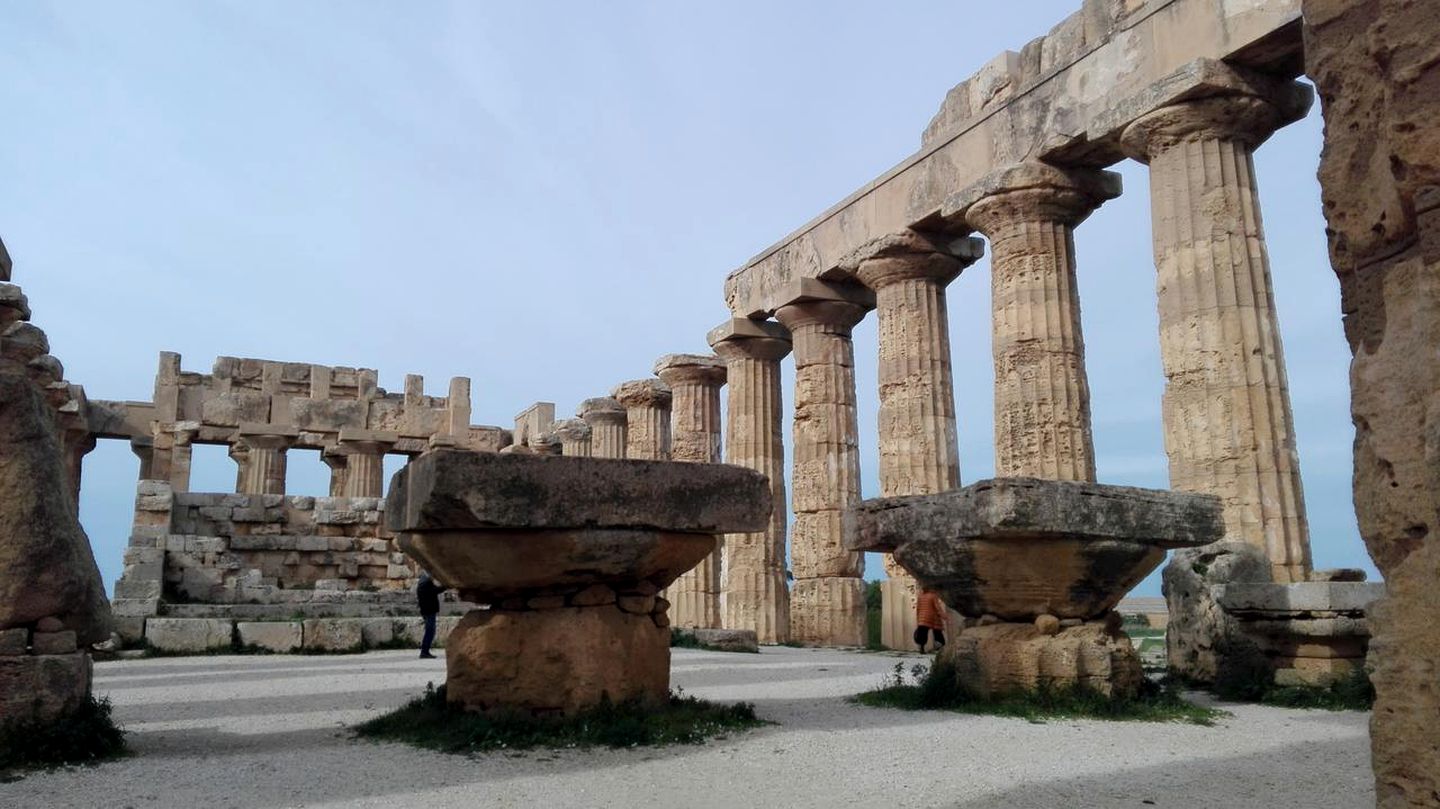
column 1042, row 396
column 827, row 604
column 38, row 684
column 1036, row 568
column 1000, row 658
column 569, row 555
column 919, row 449
column 607, row 420
column 647, row 405
column 695, row 381
column 754, row 594
column 1310, row 633
column 1226, row 411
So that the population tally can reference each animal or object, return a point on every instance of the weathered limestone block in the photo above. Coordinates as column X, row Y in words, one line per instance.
column 647, row 404
column 1200, row 634
column 281, row 637
column 43, row 687
column 332, row 635
column 188, row 634
column 1006, row 657
column 1373, row 64
column 46, row 565
column 1229, row 430
column 507, row 660
column 753, row 567
column 607, row 419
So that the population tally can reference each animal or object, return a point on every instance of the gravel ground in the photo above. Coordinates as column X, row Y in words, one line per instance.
column 218, row 732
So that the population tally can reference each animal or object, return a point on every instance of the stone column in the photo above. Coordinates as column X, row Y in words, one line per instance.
column 752, row 577
column 546, row 443
column 607, row 420
column 339, row 467
column 364, row 453
column 1042, row 396
column 263, row 471
column 171, row 453
column 647, row 409
column 695, row 381
column 919, row 451
column 574, row 435
column 76, row 445
column 144, row 449
column 827, row 605
column 1226, row 410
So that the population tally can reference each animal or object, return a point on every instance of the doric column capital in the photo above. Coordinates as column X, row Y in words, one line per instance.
column 267, row 436
column 568, row 430
column 1032, row 192
column 908, row 255
column 1240, row 116
column 365, row 442
column 812, row 302
column 601, row 410
column 742, row 338
column 642, row 393
column 691, row 369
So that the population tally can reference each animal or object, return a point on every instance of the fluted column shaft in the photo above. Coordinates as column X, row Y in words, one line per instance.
column 753, row 575
column 339, row 467
column 1229, row 430
column 1042, row 394
column 919, row 452
column 827, row 604
column 263, row 471
column 607, row 420
column 365, row 467
column 695, row 381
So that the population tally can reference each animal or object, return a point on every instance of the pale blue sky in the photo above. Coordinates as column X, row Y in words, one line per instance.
column 545, row 197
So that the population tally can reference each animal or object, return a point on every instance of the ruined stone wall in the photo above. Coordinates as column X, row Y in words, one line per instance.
column 1376, row 66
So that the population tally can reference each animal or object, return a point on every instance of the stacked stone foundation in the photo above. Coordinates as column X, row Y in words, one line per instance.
column 575, row 648
column 259, row 557
column 993, row 658
column 43, row 674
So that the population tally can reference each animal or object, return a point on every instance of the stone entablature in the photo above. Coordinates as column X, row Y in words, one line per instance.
column 310, row 406
column 1064, row 98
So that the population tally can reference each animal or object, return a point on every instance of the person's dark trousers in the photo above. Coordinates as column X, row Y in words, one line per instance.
column 922, row 634
column 429, row 637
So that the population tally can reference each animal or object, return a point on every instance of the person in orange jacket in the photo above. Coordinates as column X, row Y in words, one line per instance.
column 929, row 617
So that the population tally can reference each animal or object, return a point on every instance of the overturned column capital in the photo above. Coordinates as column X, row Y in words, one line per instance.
column 1247, row 114
column 1032, row 192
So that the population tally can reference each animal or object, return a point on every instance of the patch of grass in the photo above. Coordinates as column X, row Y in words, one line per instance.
column 937, row 688
column 430, row 722
column 85, row 736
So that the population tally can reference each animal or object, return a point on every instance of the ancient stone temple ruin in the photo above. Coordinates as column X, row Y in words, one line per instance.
column 1016, row 157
